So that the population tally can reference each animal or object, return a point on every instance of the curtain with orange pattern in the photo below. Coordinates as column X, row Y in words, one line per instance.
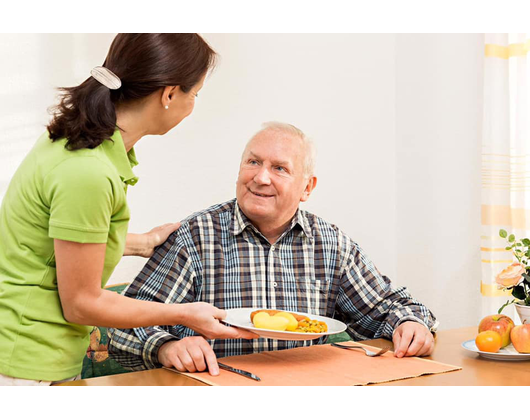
column 505, row 158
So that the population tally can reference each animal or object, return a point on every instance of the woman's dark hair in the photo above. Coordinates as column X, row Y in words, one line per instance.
column 86, row 114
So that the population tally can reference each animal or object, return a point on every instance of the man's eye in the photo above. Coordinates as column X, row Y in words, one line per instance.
column 280, row 168
column 253, row 162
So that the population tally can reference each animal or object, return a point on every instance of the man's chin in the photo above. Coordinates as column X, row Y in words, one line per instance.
column 256, row 212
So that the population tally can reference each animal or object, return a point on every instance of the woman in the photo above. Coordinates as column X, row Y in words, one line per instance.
column 64, row 218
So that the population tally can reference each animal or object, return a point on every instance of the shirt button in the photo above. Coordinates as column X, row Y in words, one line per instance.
column 272, row 248
column 275, row 284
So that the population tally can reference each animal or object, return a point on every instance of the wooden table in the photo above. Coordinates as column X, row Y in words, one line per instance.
column 475, row 369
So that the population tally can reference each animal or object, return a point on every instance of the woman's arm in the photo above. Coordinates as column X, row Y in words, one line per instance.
column 144, row 244
column 79, row 271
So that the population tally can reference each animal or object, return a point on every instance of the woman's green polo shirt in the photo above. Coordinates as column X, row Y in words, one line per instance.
column 77, row 196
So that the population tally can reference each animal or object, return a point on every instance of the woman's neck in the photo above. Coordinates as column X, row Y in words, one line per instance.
column 132, row 126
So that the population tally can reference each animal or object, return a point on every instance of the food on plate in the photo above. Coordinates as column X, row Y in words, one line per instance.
column 292, row 321
column 272, row 319
column 489, row 341
column 312, row 326
column 499, row 323
column 520, row 336
column 267, row 322
column 273, row 312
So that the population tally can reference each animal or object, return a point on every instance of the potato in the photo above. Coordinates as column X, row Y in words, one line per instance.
column 293, row 323
column 273, row 312
column 259, row 317
column 267, row 322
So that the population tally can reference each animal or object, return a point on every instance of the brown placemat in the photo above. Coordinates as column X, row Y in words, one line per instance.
column 322, row 365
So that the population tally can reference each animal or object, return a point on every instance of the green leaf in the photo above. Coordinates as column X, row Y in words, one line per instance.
column 511, row 238
column 526, row 241
column 503, row 233
column 508, row 248
column 505, row 305
column 518, row 292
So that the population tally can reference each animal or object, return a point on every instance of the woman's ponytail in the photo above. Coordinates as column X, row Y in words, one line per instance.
column 143, row 64
column 85, row 116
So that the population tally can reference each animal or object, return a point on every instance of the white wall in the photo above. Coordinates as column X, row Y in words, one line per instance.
column 439, row 115
column 339, row 89
column 394, row 118
column 32, row 66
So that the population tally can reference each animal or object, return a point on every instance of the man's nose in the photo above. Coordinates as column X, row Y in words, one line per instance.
column 262, row 177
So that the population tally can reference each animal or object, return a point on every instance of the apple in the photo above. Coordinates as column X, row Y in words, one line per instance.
column 520, row 336
column 499, row 323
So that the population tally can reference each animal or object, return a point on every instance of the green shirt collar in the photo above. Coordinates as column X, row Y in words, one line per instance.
column 123, row 161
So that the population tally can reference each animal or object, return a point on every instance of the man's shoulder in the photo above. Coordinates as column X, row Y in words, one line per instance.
column 221, row 210
column 317, row 224
column 325, row 231
column 200, row 224
column 209, row 221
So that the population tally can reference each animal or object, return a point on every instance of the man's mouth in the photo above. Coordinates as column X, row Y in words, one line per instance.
column 260, row 194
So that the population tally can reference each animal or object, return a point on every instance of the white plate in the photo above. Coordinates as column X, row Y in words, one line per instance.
column 506, row 353
column 241, row 318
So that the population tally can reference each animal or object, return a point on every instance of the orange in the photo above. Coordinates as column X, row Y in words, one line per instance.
column 489, row 341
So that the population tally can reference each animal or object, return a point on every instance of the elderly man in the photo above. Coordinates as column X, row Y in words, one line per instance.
column 261, row 250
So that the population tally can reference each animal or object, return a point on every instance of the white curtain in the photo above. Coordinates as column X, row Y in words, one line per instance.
column 32, row 67
column 505, row 158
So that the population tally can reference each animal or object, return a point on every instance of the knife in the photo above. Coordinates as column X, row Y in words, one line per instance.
column 239, row 371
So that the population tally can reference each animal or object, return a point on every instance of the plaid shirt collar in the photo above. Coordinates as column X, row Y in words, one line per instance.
column 240, row 222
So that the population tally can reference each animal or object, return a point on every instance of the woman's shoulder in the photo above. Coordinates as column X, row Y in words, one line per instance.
column 55, row 159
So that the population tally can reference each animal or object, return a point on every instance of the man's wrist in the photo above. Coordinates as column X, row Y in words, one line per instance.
column 163, row 351
column 432, row 329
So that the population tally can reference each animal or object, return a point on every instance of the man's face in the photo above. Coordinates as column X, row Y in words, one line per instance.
column 271, row 180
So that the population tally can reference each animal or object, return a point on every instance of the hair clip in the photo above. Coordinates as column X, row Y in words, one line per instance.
column 107, row 78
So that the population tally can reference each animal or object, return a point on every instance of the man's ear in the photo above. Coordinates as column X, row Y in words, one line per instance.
column 311, row 184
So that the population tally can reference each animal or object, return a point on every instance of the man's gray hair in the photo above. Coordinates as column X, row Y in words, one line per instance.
column 291, row 130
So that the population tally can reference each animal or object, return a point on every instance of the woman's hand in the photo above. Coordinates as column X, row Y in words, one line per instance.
column 79, row 271
column 158, row 235
column 204, row 319
column 144, row 244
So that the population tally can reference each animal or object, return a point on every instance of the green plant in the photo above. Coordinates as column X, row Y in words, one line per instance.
column 516, row 277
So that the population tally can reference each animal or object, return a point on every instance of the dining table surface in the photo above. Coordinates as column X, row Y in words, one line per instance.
column 475, row 369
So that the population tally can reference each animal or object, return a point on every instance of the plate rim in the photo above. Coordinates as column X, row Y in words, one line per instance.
column 289, row 333
column 496, row 356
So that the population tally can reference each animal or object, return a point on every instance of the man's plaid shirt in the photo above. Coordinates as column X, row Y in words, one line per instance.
column 218, row 256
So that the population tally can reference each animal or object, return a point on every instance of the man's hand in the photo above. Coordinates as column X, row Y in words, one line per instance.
column 412, row 339
column 191, row 354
